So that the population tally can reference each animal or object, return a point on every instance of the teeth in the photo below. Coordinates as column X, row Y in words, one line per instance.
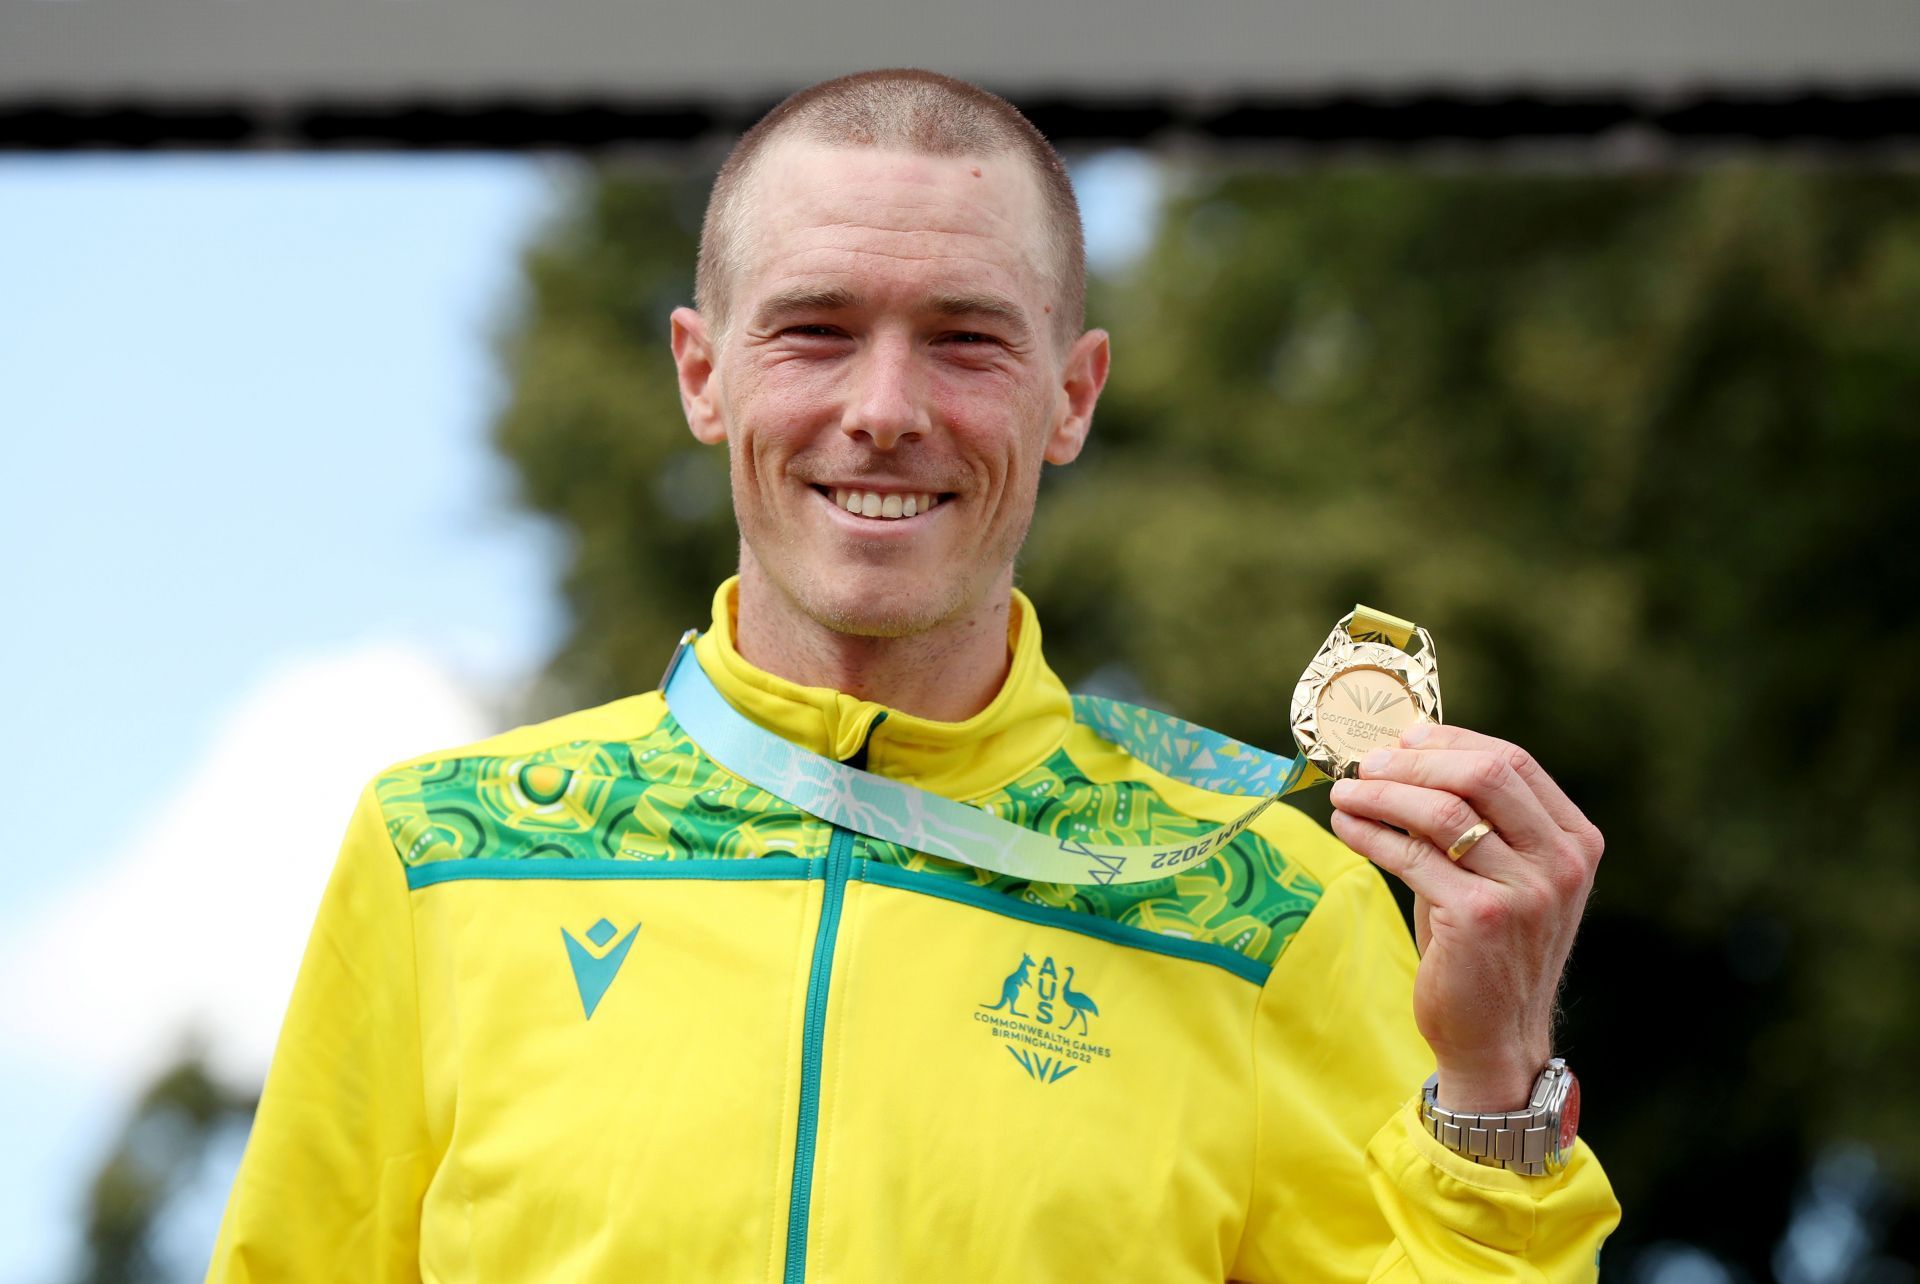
column 871, row 503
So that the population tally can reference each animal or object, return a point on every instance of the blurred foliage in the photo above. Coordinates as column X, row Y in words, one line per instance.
column 156, row 1156
column 1638, row 449
column 594, row 431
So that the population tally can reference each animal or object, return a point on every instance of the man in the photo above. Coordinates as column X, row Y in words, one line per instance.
column 581, row 1004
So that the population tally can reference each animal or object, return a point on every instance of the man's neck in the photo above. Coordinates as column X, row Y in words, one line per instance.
column 946, row 674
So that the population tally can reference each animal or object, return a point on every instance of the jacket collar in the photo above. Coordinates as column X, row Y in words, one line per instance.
column 1023, row 725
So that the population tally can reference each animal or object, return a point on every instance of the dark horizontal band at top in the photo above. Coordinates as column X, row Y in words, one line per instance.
column 1865, row 114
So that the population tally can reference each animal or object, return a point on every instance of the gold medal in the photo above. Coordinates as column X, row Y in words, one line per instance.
column 1373, row 678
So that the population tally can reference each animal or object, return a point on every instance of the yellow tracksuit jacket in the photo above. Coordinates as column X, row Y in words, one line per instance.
column 580, row 1005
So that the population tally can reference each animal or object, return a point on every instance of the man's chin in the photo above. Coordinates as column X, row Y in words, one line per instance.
column 878, row 606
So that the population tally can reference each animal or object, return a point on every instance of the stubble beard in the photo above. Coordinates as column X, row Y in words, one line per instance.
column 841, row 602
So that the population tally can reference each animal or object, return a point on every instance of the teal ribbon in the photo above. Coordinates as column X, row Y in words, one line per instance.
column 896, row 812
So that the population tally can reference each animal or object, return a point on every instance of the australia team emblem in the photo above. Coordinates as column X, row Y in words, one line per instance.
column 1044, row 1020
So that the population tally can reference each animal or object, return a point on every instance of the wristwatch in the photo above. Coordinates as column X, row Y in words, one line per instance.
column 1374, row 677
column 1536, row 1141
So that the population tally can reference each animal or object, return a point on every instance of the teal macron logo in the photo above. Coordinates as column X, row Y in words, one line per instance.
column 1041, row 1036
column 592, row 972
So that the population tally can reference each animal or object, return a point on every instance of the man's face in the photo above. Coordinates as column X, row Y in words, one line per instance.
column 889, row 381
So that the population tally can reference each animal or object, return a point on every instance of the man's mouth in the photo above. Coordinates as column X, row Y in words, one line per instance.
column 886, row 504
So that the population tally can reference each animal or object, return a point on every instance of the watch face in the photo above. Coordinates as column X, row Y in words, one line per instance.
column 1569, row 1117
column 1362, row 709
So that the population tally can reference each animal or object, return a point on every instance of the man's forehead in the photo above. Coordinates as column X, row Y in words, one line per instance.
column 811, row 195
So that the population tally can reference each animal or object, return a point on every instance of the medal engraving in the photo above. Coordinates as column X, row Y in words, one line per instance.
column 1363, row 709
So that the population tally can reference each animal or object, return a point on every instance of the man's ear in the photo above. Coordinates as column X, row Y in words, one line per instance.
column 693, row 358
column 1082, row 376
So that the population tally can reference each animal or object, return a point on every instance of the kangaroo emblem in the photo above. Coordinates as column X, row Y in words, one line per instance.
column 1010, row 988
column 1080, row 1004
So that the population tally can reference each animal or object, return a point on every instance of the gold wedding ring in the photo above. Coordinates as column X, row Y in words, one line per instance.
column 1465, row 843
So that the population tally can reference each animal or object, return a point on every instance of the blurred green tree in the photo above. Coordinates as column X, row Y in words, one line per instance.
column 154, row 1159
column 1637, row 448
column 593, row 429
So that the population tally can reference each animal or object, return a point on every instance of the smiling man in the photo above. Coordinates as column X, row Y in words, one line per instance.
column 777, row 1041
column 889, row 345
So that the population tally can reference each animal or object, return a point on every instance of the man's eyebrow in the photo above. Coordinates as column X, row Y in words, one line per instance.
column 806, row 298
column 834, row 298
column 991, row 306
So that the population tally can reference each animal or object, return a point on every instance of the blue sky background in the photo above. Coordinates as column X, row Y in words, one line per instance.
column 242, row 403
column 246, row 502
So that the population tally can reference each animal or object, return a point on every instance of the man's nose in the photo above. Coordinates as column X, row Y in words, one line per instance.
column 884, row 404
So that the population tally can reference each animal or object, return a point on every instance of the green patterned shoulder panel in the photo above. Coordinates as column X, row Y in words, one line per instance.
column 659, row 797
column 654, row 798
column 1249, row 899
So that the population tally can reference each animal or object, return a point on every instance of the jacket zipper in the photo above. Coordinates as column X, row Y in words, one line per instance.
column 839, row 865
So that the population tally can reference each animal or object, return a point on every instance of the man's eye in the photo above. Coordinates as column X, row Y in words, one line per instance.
column 811, row 331
column 969, row 337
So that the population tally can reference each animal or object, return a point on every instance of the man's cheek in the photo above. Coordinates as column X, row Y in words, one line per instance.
column 973, row 397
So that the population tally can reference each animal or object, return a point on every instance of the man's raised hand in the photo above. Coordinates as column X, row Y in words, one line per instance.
column 1494, row 928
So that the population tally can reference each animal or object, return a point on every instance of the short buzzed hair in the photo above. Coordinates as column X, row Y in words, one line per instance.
column 900, row 109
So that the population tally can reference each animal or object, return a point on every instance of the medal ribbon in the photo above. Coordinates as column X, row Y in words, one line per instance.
column 896, row 812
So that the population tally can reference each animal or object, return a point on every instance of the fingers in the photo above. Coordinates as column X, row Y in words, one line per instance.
column 1486, row 783
column 1433, row 814
column 1552, row 798
column 1415, row 862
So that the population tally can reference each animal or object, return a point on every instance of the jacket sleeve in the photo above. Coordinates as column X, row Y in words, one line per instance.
column 331, row 1182
column 1348, row 1185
